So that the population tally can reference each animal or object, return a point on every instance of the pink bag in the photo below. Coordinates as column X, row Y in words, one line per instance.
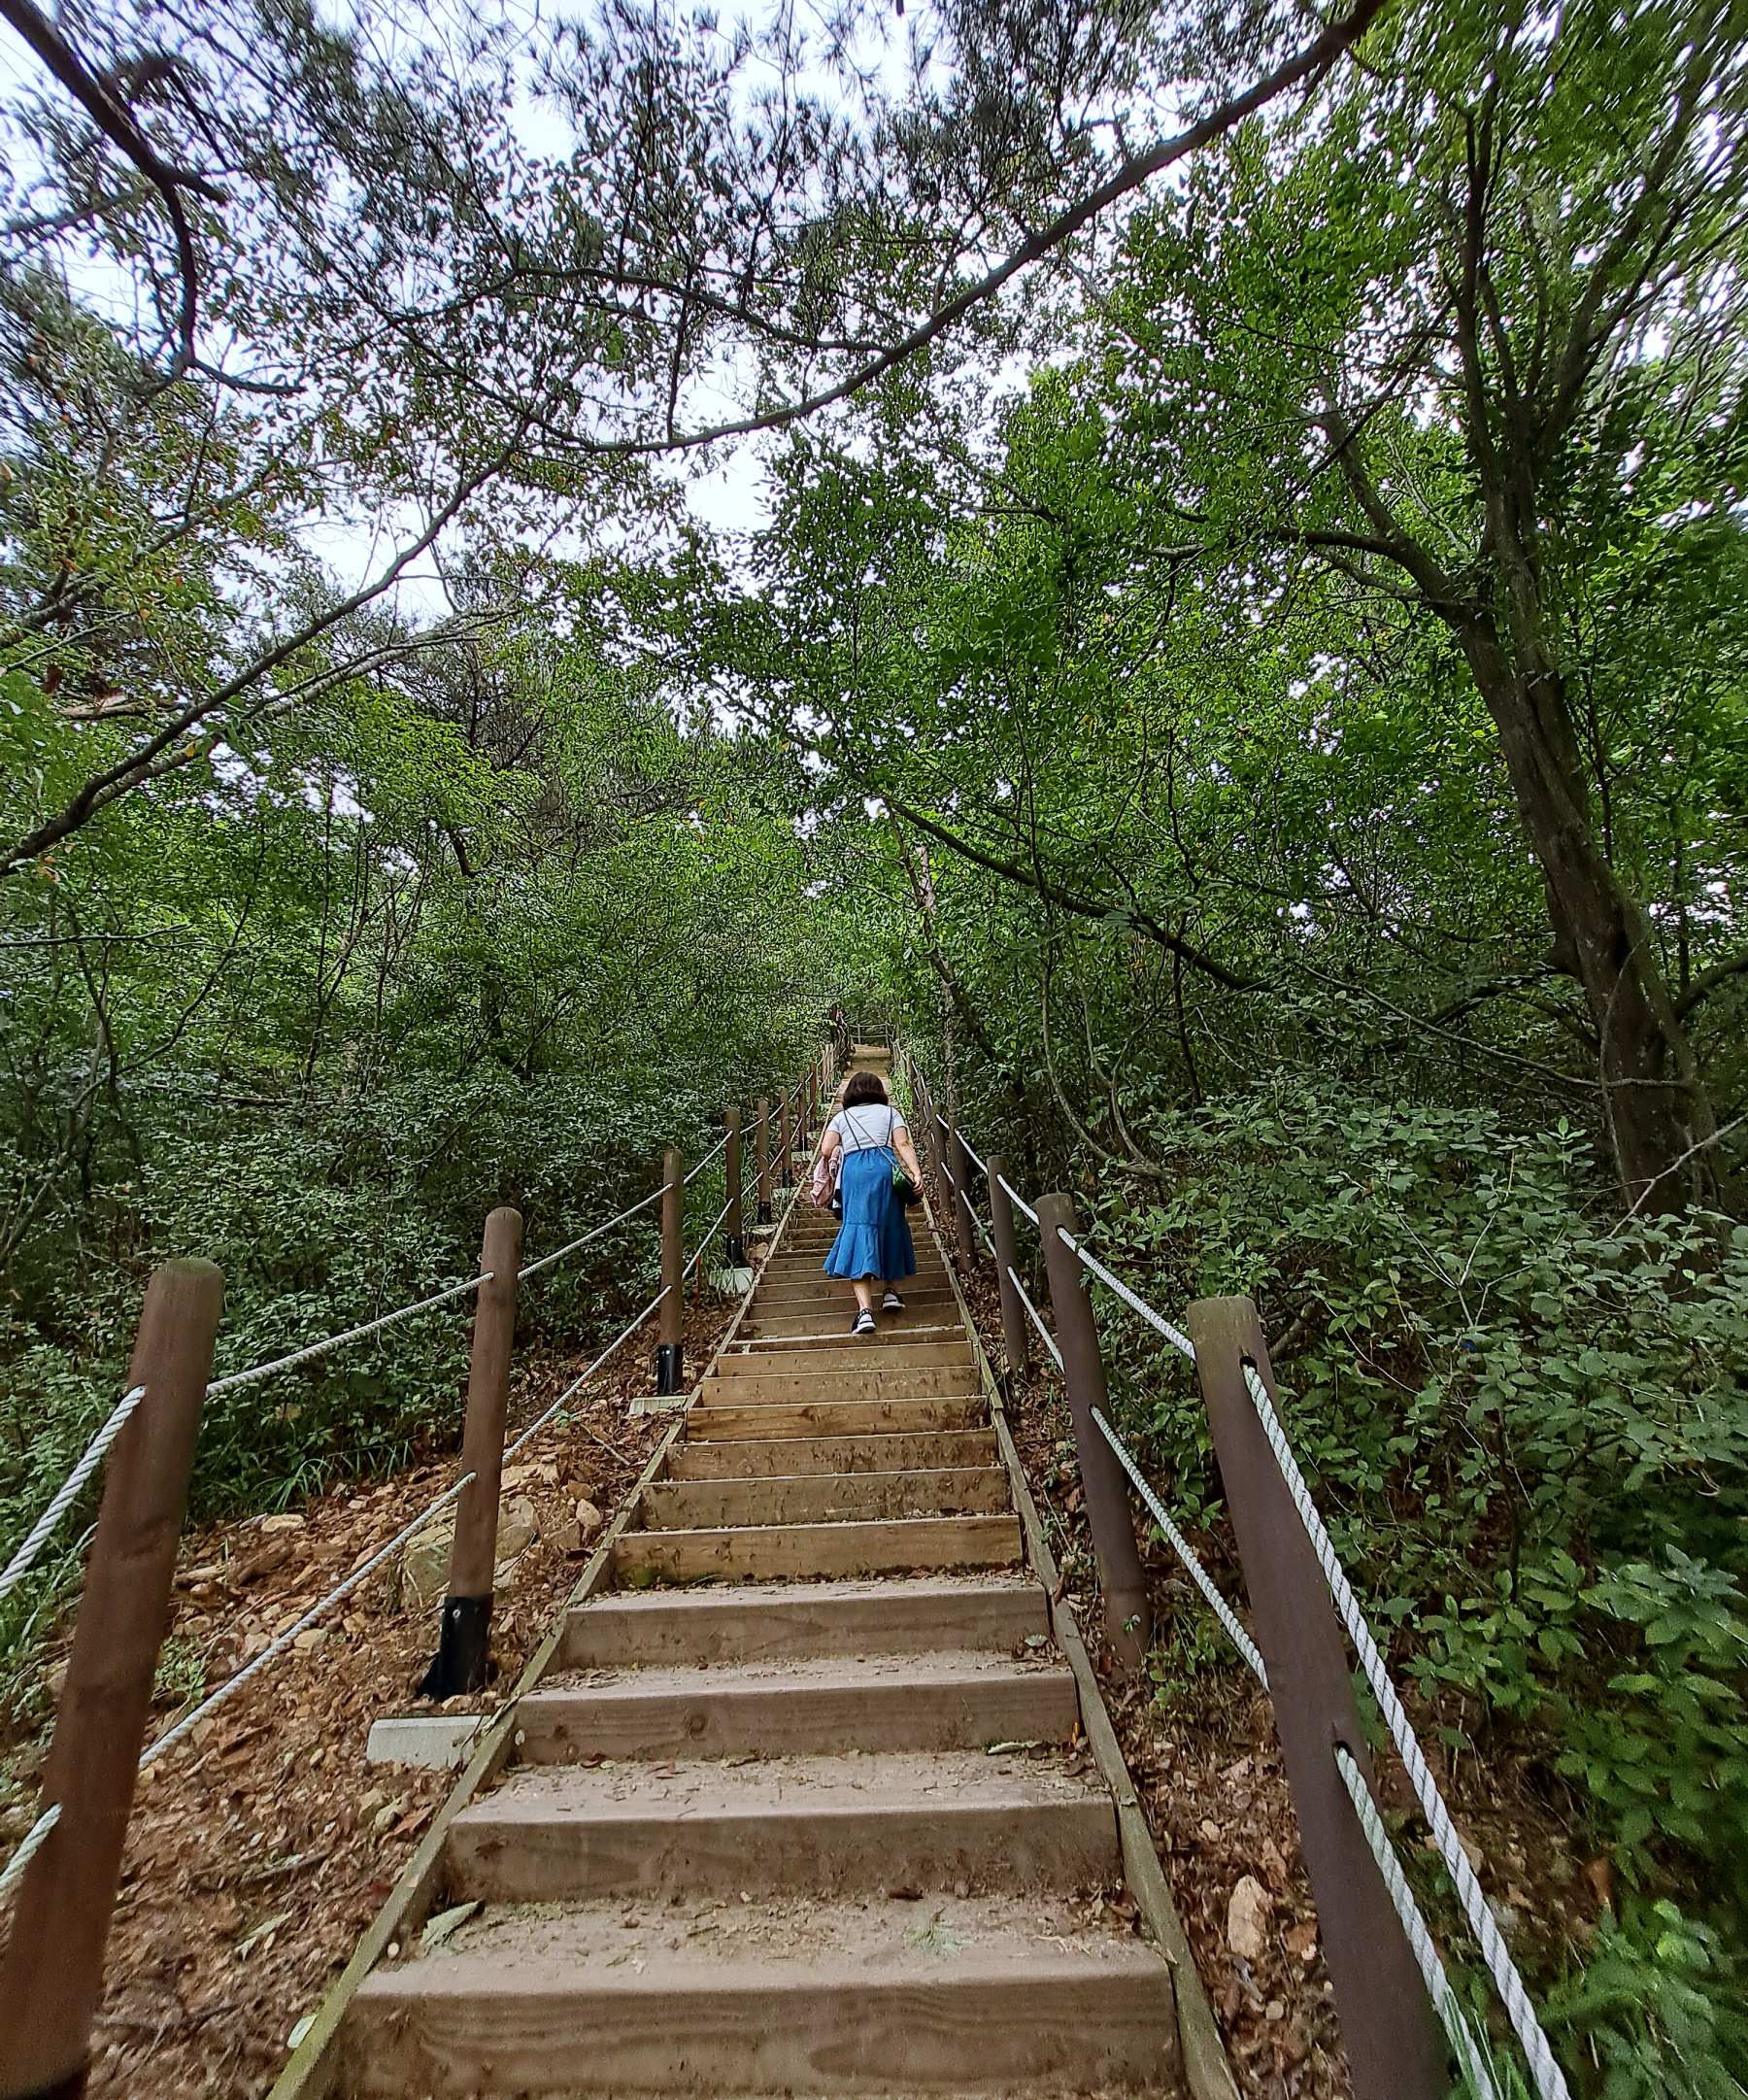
column 823, row 1186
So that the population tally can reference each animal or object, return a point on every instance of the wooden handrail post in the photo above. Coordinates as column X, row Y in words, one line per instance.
column 1128, row 1622
column 786, row 1144
column 762, row 1160
column 734, row 1244
column 52, row 1976
column 964, row 1233
column 462, row 1663
column 670, row 1350
column 1016, row 1330
column 1394, row 2050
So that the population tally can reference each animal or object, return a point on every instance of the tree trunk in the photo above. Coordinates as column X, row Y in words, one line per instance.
column 1659, row 1115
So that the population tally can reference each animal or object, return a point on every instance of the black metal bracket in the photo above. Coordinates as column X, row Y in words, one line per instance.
column 734, row 1252
column 670, row 1367
column 462, row 1662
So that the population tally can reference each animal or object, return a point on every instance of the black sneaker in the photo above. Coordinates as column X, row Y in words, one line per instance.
column 891, row 1303
column 864, row 1324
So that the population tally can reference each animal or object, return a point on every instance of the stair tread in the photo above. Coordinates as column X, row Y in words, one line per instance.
column 901, row 1671
column 895, row 1782
column 527, row 1950
column 735, row 1596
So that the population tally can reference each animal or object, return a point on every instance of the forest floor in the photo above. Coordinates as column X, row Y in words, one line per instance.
column 260, row 1848
column 1198, row 1737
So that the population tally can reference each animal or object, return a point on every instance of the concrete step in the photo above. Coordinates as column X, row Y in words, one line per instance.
column 775, row 1457
column 813, row 1825
column 760, row 1420
column 784, row 1552
column 818, row 1498
column 965, row 1996
column 746, row 1379
column 943, row 1700
column 618, row 1629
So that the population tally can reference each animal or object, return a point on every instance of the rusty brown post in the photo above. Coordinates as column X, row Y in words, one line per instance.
column 761, row 1161
column 1016, row 1330
column 670, row 1352
column 1392, row 2048
column 1129, row 1623
column 963, row 1229
column 51, row 1978
column 462, row 1663
column 734, row 1242
column 786, row 1144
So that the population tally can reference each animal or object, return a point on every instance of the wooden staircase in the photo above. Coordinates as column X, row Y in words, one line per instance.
column 797, row 1807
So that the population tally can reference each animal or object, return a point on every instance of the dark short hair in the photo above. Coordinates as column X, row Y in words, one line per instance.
column 862, row 1088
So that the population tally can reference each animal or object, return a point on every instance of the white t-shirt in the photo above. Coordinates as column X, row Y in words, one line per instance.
column 868, row 1125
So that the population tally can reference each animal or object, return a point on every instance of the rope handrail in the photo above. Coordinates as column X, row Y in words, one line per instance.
column 703, row 1247
column 1044, row 1334
column 1173, row 1335
column 1014, row 1197
column 1185, row 1552
column 1469, row 2051
column 233, row 1379
column 64, row 1497
column 971, row 1153
column 1550, row 2079
column 583, row 1378
column 687, row 1180
column 545, row 1261
column 31, row 1547
column 38, row 1834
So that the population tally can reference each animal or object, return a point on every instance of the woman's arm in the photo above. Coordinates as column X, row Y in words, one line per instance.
column 907, row 1154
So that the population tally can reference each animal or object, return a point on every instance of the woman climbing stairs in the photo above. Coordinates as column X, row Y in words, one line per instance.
column 820, row 1827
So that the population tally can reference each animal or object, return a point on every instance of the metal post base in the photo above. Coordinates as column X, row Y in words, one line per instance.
column 462, row 1662
column 670, row 1367
column 764, row 1213
column 735, row 1253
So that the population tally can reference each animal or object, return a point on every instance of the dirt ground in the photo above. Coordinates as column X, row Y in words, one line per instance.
column 261, row 1847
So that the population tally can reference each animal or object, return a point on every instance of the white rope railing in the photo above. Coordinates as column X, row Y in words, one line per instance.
column 1185, row 1552
column 545, row 1261
column 1017, row 1200
column 38, row 1834
column 687, row 1179
column 971, row 1153
column 233, row 1381
column 583, row 1378
column 64, row 1497
column 1044, row 1334
column 1173, row 1335
column 710, row 1232
column 1469, row 2051
column 1550, row 2079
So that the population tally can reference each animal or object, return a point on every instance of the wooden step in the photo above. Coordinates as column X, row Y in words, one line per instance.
column 762, row 1420
column 817, row 1498
column 828, row 1291
column 786, row 1552
column 773, row 1457
column 695, row 1627
column 747, row 1381
column 845, row 1352
column 943, row 1700
column 777, row 1321
column 973, row 1996
column 814, row 1825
